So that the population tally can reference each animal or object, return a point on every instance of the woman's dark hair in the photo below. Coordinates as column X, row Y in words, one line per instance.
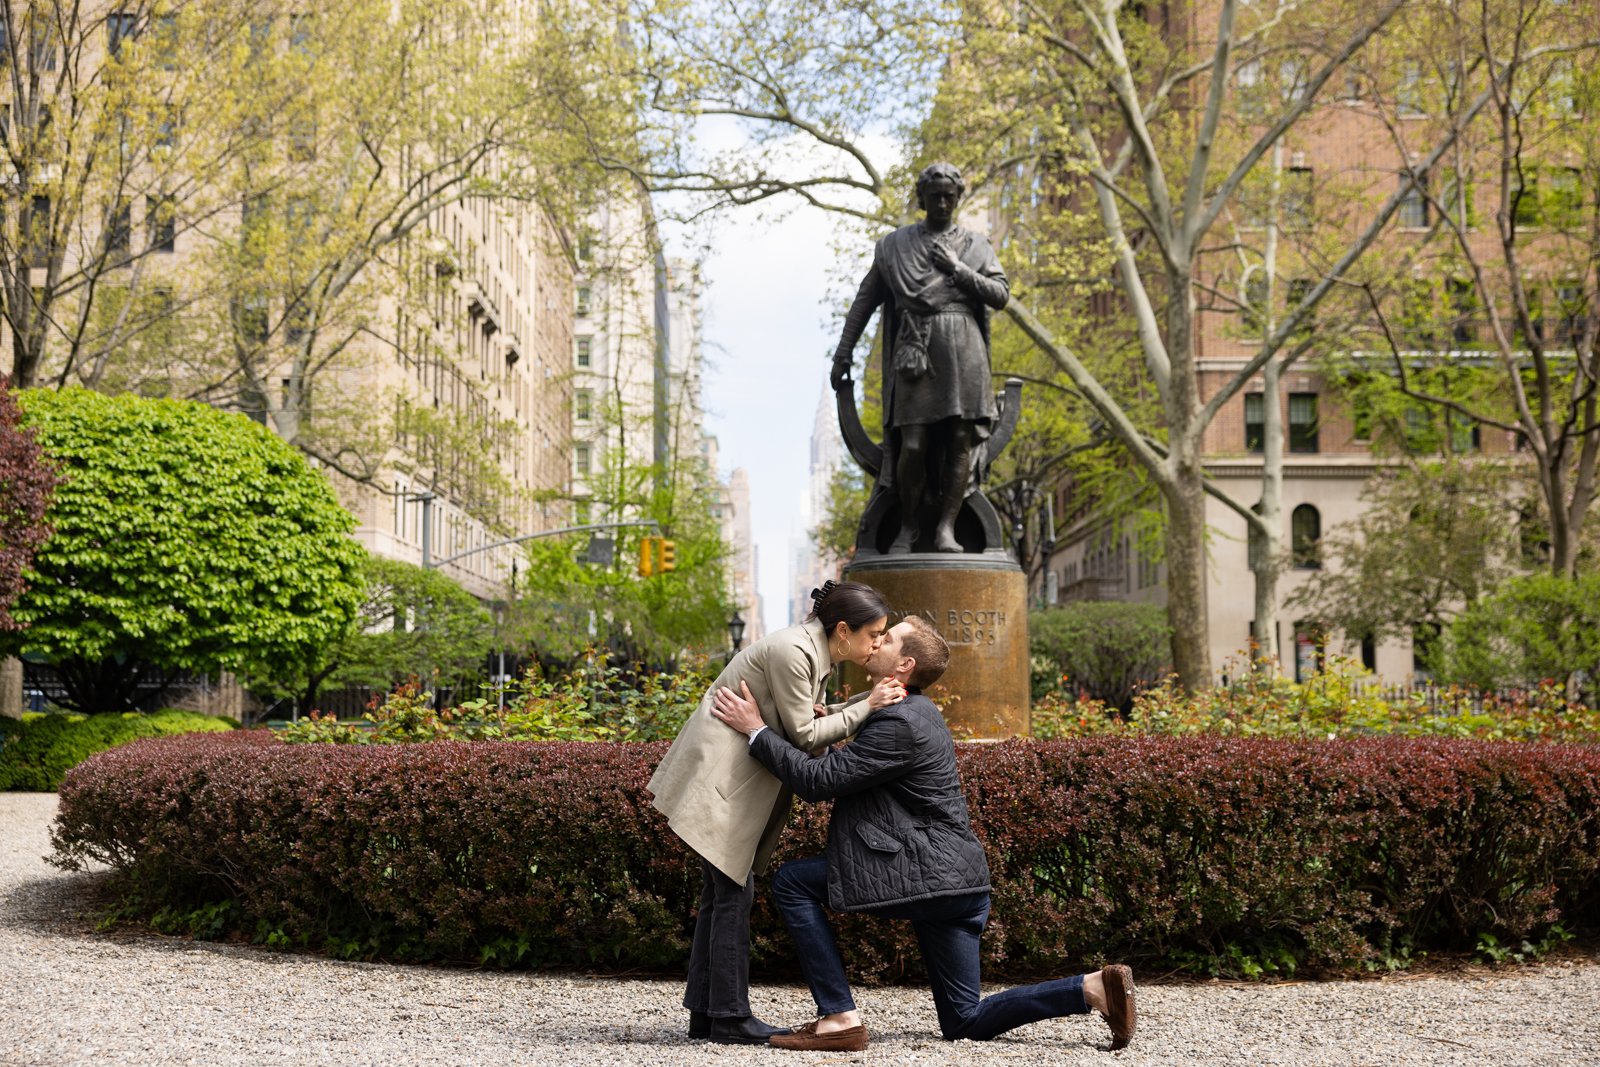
column 851, row 603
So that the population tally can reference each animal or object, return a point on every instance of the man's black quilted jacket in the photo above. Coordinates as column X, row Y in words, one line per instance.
column 900, row 831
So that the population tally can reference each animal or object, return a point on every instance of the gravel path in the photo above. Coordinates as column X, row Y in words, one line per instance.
column 72, row 996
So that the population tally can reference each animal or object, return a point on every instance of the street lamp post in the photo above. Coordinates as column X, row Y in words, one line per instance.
column 736, row 631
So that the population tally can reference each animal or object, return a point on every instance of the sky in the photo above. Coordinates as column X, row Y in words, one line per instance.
column 768, row 335
column 769, row 332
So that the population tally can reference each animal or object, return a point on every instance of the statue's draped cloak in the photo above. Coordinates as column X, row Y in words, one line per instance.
column 948, row 315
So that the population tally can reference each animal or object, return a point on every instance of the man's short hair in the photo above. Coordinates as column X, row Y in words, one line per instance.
column 925, row 645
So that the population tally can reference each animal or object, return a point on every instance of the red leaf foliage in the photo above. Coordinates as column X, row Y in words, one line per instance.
column 1189, row 852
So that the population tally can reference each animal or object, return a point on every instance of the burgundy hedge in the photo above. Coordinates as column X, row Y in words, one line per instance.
column 1202, row 853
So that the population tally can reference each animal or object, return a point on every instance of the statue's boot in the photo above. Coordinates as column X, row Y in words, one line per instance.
column 944, row 539
column 903, row 541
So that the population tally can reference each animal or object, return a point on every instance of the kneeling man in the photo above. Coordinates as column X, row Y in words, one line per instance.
column 900, row 846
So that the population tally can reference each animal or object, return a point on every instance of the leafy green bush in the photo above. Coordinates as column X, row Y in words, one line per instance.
column 39, row 749
column 185, row 539
column 1343, row 701
column 1103, row 649
column 1532, row 630
column 596, row 701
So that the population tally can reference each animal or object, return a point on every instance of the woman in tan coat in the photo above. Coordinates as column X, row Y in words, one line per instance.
column 729, row 809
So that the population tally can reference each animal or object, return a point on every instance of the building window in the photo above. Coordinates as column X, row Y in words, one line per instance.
column 39, row 235
column 1414, row 202
column 1302, row 422
column 164, row 33
column 253, row 323
column 167, row 129
column 1298, row 290
column 1465, row 435
column 1310, row 648
column 1524, row 196
column 585, row 355
column 1255, row 435
column 584, row 298
column 119, row 229
column 1255, row 301
column 120, row 26
column 1360, row 415
column 303, row 140
column 1408, row 96
column 44, row 41
column 585, row 405
column 1573, row 309
column 1369, row 652
column 1305, row 533
column 1456, row 198
column 1297, row 187
column 162, row 223
column 1566, row 195
column 297, row 322
column 1463, row 298
column 584, row 459
column 300, row 34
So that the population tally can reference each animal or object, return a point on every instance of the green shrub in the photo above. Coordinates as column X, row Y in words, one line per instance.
column 596, row 701
column 1103, row 649
column 1342, row 701
column 38, row 750
column 1540, row 628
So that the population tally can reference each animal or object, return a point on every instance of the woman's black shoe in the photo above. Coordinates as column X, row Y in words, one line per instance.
column 699, row 1024
column 747, row 1030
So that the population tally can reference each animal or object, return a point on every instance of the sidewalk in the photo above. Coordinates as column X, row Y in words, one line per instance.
column 72, row 996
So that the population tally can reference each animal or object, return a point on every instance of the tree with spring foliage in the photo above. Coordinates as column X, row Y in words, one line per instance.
column 1135, row 133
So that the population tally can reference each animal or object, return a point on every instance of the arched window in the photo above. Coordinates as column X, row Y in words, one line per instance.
column 1305, row 531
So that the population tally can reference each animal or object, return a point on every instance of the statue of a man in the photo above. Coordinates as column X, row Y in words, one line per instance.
column 937, row 283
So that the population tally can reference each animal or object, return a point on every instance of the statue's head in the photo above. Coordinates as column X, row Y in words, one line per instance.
column 939, row 190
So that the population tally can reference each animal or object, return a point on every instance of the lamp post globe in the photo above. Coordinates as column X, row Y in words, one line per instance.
column 736, row 630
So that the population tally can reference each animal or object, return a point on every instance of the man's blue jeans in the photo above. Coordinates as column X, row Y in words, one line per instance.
column 948, row 929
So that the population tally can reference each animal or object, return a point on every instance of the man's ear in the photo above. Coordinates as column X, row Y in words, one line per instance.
column 906, row 665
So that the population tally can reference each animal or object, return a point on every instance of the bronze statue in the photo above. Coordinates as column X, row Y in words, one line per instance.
column 937, row 283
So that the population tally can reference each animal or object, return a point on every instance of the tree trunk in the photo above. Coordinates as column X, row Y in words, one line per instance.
column 1264, row 626
column 10, row 687
column 1264, row 621
column 1186, row 579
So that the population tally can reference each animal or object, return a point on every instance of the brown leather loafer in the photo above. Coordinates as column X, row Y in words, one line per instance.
column 1120, row 1013
column 808, row 1040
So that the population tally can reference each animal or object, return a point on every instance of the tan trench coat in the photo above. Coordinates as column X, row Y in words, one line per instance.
column 715, row 795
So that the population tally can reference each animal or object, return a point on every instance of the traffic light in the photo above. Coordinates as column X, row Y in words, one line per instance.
column 669, row 555
column 647, row 556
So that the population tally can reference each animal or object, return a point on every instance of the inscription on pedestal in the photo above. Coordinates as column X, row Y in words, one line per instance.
column 963, row 626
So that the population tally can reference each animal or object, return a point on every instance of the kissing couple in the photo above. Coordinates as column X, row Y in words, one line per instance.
column 900, row 844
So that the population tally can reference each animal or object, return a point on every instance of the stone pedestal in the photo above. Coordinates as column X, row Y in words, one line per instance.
column 980, row 604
